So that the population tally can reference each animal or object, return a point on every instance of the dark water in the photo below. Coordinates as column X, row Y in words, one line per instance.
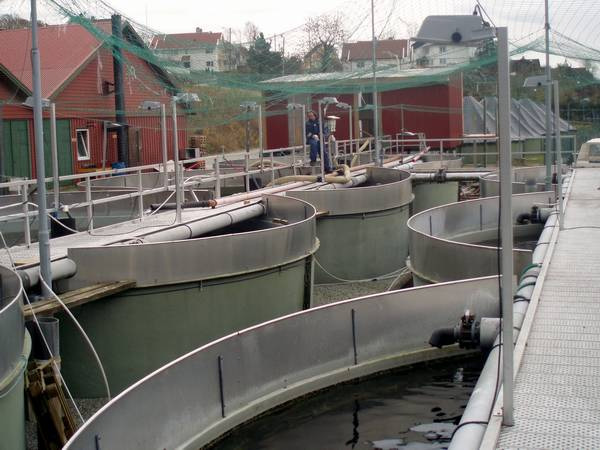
column 409, row 409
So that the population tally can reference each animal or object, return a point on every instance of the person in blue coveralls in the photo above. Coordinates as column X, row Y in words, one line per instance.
column 313, row 134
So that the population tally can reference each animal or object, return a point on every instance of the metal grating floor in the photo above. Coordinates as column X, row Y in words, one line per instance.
column 557, row 389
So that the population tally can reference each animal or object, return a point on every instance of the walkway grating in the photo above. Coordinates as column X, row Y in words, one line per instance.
column 557, row 388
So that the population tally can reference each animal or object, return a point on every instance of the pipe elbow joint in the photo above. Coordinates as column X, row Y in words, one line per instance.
column 443, row 337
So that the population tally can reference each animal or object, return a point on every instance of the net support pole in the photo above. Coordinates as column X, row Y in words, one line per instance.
column 506, row 226
column 163, row 136
column 178, row 198
column 43, row 233
column 378, row 155
column 558, row 148
column 548, row 100
column 55, row 169
column 122, row 136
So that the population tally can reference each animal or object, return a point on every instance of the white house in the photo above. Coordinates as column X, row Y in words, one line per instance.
column 202, row 50
column 358, row 56
column 441, row 55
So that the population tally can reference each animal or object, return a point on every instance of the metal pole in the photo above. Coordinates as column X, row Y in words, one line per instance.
column 217, row 178
column 121, row 118
column 548, row 101
column 140, row 195
column 247, row 155
column 260, row 135
column 321, row 144
column 176, row 161
column 506, row 226
column 351, row 131
column 303, row 134
column 558, row 154
column 485, row 132
column 25, row 209
column 163, row 135
column 88, row 200
column 55, row 174
column 43, row 234
column 378, row 158
column 104, row 143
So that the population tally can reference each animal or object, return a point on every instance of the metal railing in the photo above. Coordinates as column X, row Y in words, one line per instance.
column 291, row 158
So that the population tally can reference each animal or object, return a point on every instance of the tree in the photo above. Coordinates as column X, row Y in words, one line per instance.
column 13, row 21
column 261, row 59
column 251, row 32
column 324, row 36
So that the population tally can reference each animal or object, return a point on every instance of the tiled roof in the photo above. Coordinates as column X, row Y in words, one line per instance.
column 63, row 49
column 184, row 40
column 363, row 50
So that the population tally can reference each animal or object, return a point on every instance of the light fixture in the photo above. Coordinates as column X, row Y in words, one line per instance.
column 29, row 102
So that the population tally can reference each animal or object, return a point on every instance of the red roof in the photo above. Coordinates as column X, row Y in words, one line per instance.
column 363, row 50
column 185, row 40
column 63, row 49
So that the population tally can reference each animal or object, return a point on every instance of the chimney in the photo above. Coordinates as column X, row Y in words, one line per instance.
column 198, row 30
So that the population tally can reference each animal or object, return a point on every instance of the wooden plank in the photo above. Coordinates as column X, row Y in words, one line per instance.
column 77, row 297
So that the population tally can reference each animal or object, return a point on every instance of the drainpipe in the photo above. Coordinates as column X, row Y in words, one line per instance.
column 121, row 119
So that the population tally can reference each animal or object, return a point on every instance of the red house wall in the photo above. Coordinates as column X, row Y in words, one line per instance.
column 445, row 123
column 82, row 102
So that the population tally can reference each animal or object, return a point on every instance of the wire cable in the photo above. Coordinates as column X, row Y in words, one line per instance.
column 35, row 319
column 364, row 280
column 83, row 333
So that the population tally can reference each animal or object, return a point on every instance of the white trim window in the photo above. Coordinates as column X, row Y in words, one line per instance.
column 83, row 144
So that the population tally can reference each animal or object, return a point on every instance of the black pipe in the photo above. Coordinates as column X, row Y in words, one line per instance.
column 442, row 337
column 524, row 218
column 121, row 119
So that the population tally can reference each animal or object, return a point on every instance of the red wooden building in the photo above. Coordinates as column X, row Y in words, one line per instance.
column 77, row 75
column 431, row 104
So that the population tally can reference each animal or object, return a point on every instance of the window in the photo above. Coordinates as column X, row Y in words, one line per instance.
column 186, row 61
column 210, row 63
column 442, row 49
column 83, row 144
column 443, row 61
column 360, row 64
column 209, row 51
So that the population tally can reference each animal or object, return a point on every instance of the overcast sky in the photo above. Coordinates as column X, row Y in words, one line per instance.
column 577, row 19
column 271, row 16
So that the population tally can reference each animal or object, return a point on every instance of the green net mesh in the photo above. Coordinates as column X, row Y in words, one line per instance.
column 291, row 66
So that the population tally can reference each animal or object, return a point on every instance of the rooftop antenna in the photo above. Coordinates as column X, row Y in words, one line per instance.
column 43, row 235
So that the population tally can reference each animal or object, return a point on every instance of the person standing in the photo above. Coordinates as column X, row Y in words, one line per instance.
column 313, row 135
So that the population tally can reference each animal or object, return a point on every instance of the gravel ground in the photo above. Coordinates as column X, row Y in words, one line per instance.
column 87, row 407
column 329, row 293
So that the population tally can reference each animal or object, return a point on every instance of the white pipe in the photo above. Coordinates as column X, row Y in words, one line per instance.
column 61, row 268
column 447, row 176
column 206, row 225
column 477, row 413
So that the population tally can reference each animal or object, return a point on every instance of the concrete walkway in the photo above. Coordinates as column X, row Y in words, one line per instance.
column 557, row 388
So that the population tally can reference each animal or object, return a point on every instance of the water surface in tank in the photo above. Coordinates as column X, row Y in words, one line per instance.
column 412, row 408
